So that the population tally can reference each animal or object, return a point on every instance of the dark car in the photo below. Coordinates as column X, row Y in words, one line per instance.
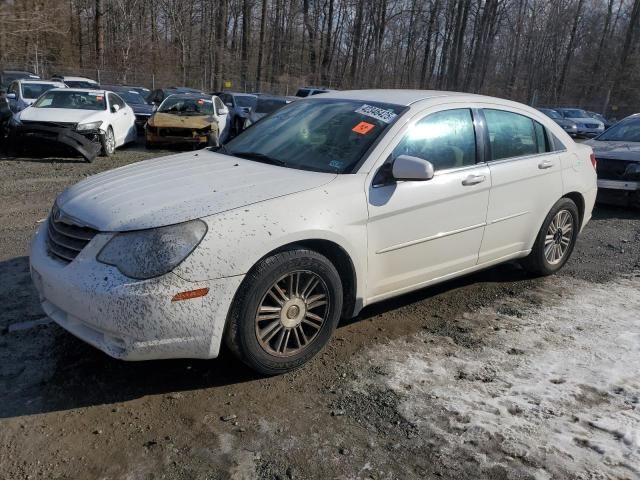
column 265, row 105
column 617, row 153
column 8, row 76
column 240, row 106
column 567, row 125
column 158, row 95
column 141, row 108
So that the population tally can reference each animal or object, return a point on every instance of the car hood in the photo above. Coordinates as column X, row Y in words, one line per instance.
column 584, row 120
column 179, row 188
column 564, row 122
column 59, row 115
column 616, row 150
column 180, row 121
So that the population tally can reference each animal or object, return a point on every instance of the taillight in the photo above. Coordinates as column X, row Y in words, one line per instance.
column 594, row 162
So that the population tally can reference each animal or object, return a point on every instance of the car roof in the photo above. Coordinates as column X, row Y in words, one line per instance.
column 83, row 90
column 35, row 80
column 73, row 79
column 405, row 97
column 17, row 71
column 277, row 97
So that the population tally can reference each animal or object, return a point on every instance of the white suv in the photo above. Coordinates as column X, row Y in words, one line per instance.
column 330, row 204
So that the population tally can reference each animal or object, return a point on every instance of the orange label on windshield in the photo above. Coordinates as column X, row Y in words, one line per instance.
column 363, row 128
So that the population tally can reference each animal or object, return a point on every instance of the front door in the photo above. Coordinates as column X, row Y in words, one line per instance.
column 420, row 231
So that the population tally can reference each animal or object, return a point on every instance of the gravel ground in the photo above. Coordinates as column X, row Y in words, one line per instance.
column 384, row 400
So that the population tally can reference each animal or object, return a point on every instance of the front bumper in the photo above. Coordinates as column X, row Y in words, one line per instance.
column 125, row 318
column 619, row 185
column 43, row 136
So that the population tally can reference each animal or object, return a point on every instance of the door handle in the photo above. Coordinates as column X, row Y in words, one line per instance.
column 545, row 164
column 473, row 180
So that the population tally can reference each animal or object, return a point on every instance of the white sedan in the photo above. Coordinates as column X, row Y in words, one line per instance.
column 99, row 115
column 328, row 205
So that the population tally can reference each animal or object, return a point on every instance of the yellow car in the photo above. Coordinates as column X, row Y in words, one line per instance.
column 198, row 120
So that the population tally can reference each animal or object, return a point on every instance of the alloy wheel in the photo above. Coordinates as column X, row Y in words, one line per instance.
column 558, row 238
column 292, row 313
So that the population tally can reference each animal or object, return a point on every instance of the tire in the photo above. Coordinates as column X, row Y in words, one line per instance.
column 540, row 262
column 108, row 142
column 274, row 342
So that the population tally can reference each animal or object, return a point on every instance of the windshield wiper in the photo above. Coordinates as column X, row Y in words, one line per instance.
column 258, row 157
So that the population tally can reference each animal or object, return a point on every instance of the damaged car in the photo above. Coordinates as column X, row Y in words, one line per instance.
column 187, row 119
column 329, row 204
column 80, row 121
column 617, row 154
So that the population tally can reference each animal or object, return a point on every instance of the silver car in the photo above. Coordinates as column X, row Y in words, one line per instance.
column 567, row 125
column 587, row 125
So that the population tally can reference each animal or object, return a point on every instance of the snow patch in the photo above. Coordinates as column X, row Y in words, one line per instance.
column 551, row 393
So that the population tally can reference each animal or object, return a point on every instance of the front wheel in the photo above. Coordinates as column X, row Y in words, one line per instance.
column 108, row 141
column 556, row 239
column 285, row 311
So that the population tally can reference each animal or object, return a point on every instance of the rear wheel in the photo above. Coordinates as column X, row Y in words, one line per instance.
column 108, row 141
column 285, row 312
column 556, row 239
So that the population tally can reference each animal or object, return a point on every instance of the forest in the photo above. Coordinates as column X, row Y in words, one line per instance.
column 542, row 52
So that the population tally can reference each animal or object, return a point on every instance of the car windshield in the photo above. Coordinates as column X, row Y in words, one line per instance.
column 625, row 131
column 575, row 113
column 34, row 90
column 131, row 97
column 180, row 105
column 72, row 99
column 551, row 113
column 328, row 135
column 269, row 105
column 303, row 92
column 247, row 101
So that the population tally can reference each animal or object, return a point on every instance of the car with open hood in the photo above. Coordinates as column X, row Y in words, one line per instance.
column 329, row 204
column 186, row 118
column 22, row 93
column 617, row 152
column 82, row 120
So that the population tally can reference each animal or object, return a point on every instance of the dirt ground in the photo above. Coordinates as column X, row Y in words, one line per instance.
column 494, row 376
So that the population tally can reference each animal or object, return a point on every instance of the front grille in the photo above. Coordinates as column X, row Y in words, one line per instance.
column 616, row 170
column 591, row 125
column 177, row 132
column 29, row 123
column 65, row 240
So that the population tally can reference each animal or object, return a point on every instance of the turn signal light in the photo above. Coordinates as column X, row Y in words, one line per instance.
column 188, row 295
column 594, row 162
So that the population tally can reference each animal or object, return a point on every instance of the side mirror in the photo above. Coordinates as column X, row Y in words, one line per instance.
column 115, row 108
column 11, row 96
column 406, row 167
column 223, row 111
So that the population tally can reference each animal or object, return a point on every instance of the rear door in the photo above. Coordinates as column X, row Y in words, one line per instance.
column 526, row 181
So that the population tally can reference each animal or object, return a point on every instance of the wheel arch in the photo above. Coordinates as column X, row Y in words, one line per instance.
column 340, row 259
column 578, row 199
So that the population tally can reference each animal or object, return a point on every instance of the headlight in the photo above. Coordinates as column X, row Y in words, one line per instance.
column 150, row 253
column 89, row 126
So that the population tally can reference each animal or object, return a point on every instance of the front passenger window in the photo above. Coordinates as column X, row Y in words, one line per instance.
column 446, row 139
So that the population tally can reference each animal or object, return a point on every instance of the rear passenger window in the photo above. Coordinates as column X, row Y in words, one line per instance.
column 513, row 135
column 446, row 139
